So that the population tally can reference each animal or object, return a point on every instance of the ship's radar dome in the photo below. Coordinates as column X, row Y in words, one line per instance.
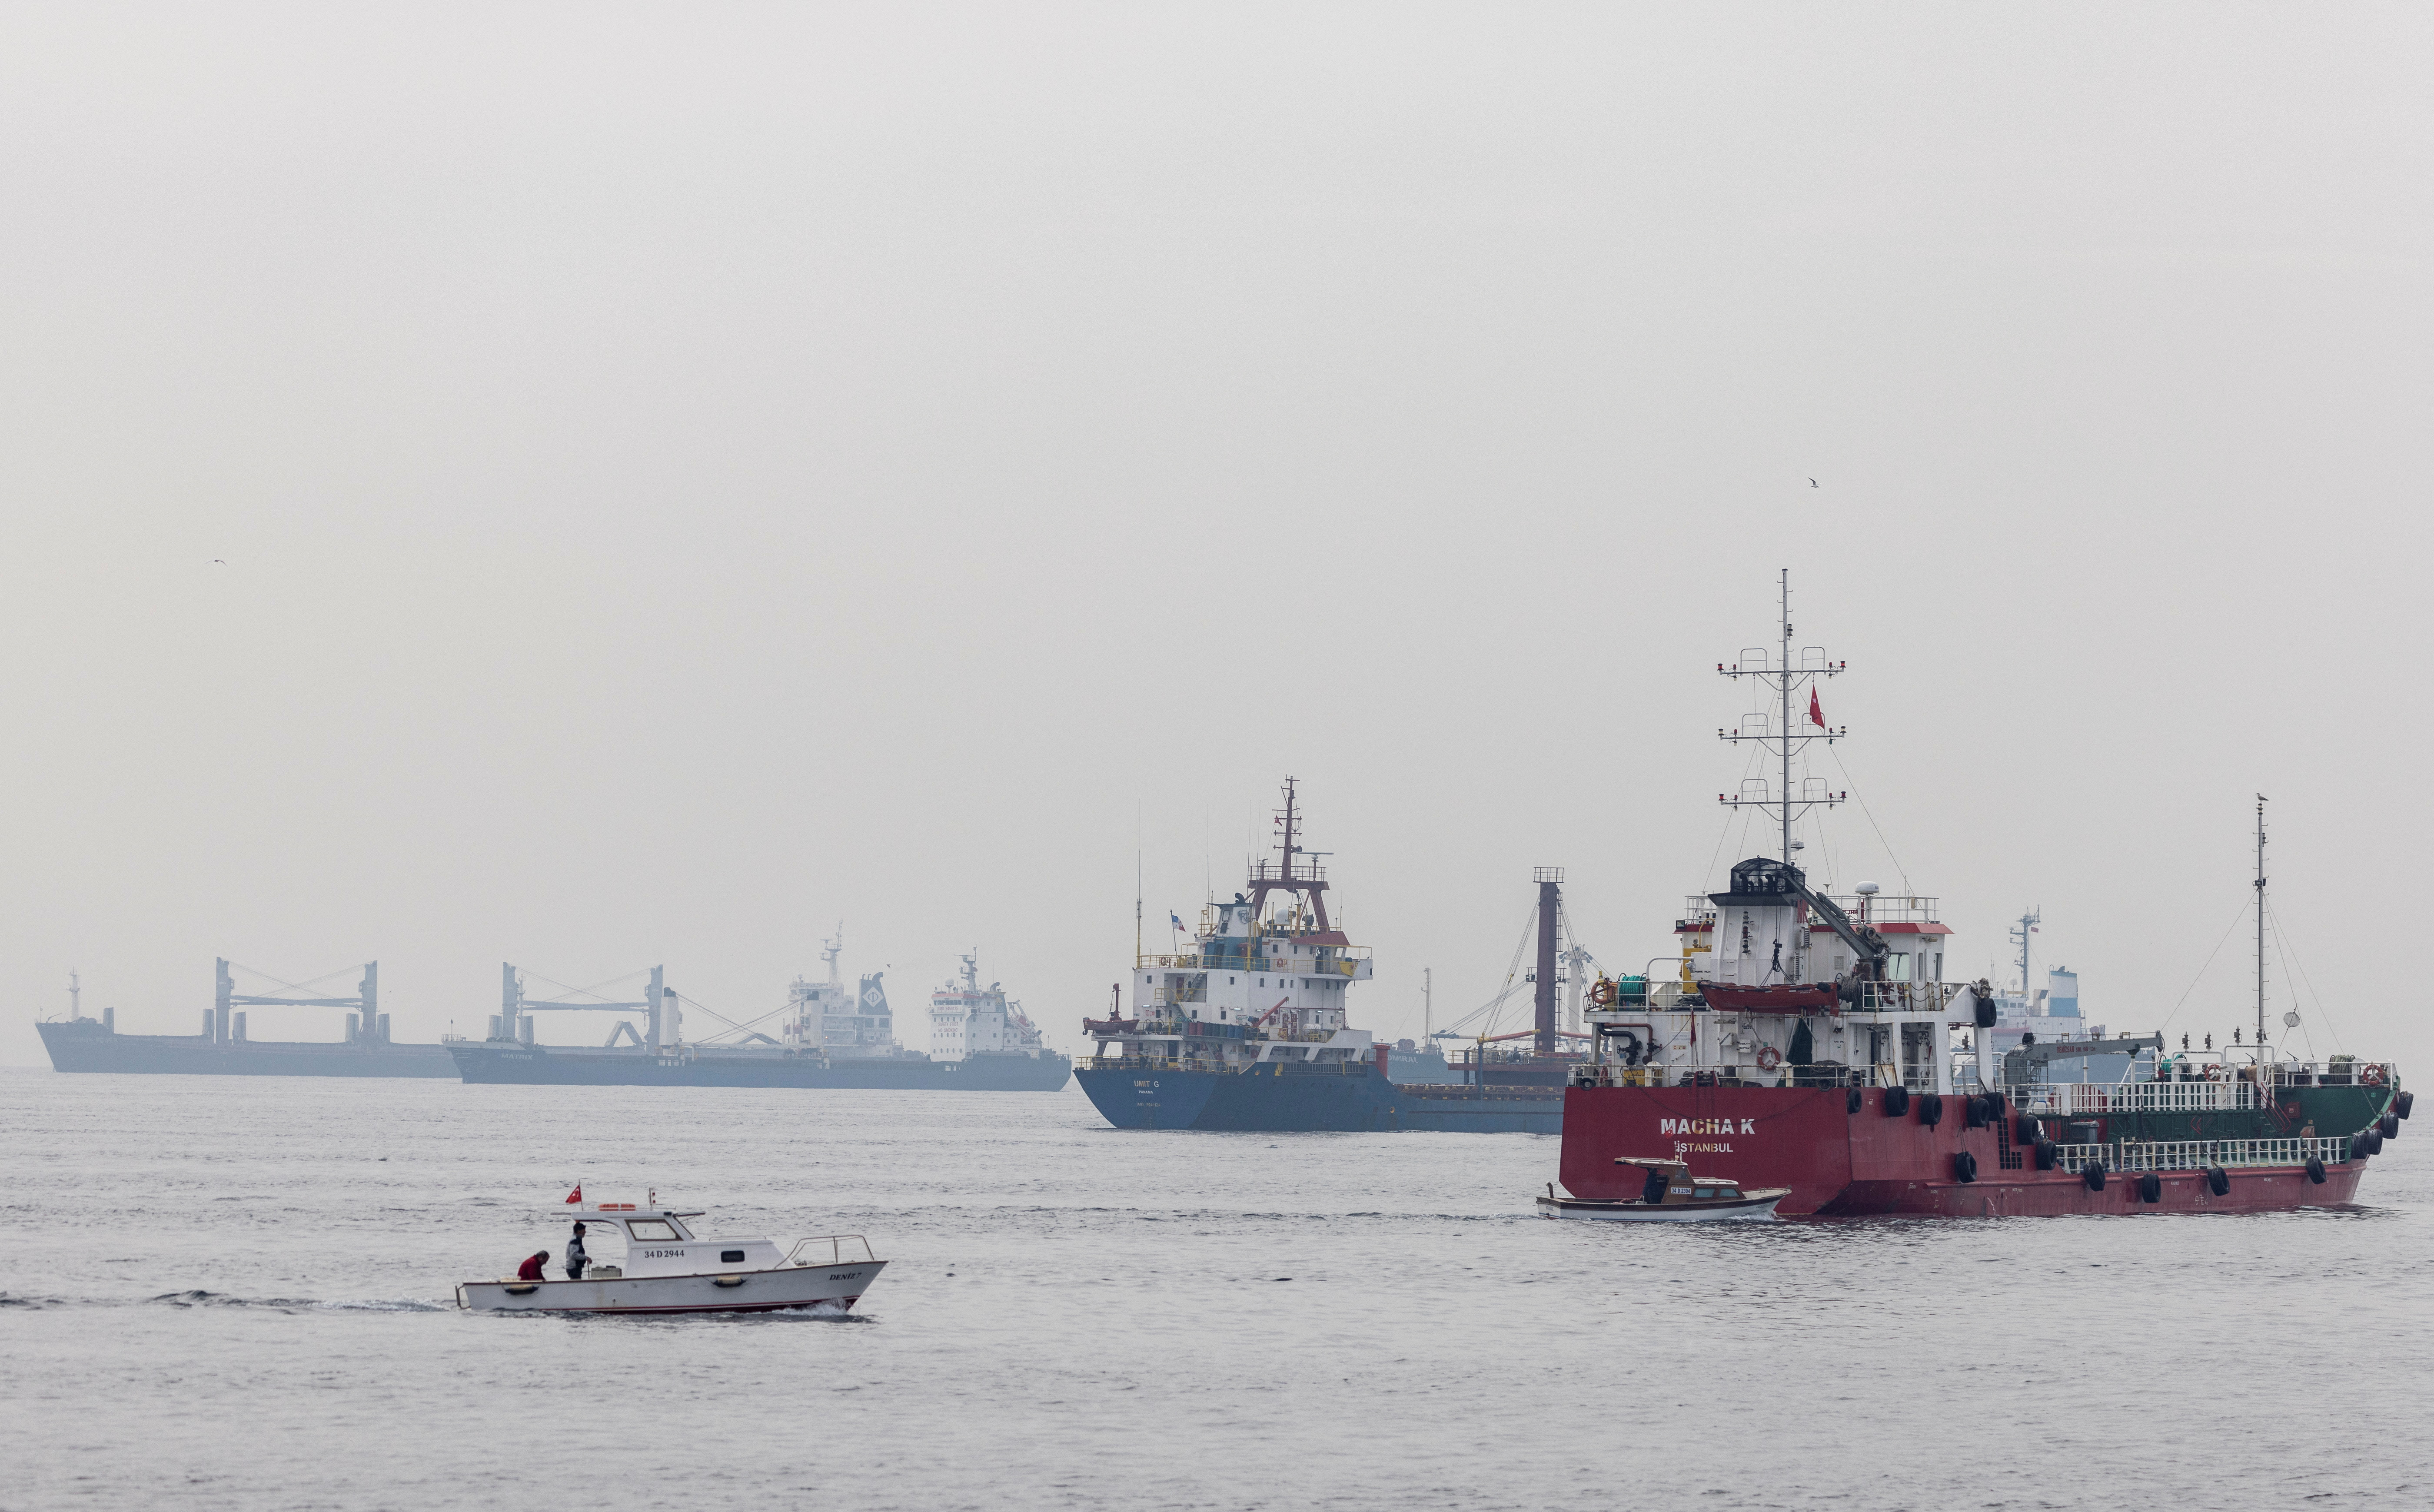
column 1870, row 888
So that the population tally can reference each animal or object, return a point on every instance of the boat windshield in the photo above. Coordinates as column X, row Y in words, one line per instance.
column 649, row 1230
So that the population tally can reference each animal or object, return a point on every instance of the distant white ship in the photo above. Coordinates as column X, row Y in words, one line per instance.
column 967, row 1018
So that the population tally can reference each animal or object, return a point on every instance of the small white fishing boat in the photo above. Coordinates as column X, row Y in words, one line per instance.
column 1670, row 1194
column 670, row 1268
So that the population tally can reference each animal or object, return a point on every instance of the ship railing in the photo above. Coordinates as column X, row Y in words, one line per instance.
column 830, row 1249
column 1612, row 1073
column 2338, row 1073
column 1886, row 908
column 1342, row 960
column 2066, row 1099
column 2190, row 1155
column 1353, row 1066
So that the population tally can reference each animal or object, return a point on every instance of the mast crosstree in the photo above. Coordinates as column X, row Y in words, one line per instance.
column 1783, row 679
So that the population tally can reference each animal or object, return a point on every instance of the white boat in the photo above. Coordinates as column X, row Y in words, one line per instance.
column 670, row 1268
column 1669, row 1194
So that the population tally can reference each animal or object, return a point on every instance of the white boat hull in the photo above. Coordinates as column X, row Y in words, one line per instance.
column 749, row 1291
column 1754, row 1208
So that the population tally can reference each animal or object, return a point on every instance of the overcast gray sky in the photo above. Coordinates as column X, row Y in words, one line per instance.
column 688, row 475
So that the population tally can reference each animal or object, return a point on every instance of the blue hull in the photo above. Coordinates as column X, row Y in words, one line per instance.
column 1354, row 1099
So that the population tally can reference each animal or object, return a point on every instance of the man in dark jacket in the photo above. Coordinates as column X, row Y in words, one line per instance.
column 530, row 1269
column 575, row 1258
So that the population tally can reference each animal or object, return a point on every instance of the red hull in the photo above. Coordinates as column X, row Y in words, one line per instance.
column 1842, row 1164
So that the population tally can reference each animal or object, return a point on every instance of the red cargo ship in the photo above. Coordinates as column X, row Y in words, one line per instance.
column 1810, row 1044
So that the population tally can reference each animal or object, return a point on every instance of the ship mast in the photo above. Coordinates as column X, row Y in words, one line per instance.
column 1784, row 692
column 1781, row 741
column 1306, row 882
column 2020, row 932
column 2260, row 921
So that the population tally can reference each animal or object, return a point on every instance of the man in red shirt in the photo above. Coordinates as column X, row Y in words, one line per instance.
column 530, row 1270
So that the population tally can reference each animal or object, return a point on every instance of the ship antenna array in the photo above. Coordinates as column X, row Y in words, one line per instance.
column 1783, row 678
column 2260, row 918
column 2020, row 932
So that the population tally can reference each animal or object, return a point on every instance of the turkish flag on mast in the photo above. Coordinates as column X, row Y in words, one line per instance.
column 576, row 1196
column 1816, row 715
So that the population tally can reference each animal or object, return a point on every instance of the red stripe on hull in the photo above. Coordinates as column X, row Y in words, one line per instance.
column 1842, row 1164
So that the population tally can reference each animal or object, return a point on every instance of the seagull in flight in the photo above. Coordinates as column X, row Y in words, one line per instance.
column 1812, row 483
column 222, row 560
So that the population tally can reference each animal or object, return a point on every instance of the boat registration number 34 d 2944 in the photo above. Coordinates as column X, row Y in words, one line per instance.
column 663, row 1254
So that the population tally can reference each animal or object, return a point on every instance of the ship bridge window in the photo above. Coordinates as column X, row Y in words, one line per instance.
column 649, row 1230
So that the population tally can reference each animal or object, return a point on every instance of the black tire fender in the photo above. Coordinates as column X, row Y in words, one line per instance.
column 2150, row 1188
column 2217, row 1181
column 2045, row 1150
column 1897, row 1101
column 1930, row 1109
column 1964, row 1166
column 2092, row 1174
column 2389, row 1127
column 1856, row 1101
column 2315, row 1171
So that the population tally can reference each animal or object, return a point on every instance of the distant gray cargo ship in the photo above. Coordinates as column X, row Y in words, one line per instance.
column 222, row 1049
column 980, row 1043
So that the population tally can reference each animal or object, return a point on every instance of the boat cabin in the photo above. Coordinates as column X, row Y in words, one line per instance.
column 1680, row 1187
column 660, row 1241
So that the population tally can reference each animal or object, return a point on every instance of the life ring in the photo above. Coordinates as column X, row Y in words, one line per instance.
column 2371, row 1076
column 1602, row 994
column 1769, row 1057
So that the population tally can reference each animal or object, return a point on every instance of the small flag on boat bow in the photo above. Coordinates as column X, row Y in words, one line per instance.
column 576, row 1196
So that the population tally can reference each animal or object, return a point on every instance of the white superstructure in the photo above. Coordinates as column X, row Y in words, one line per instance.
column 1261, row 984
column 837, row 1021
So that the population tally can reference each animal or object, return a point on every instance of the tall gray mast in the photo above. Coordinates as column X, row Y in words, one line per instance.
column 2260, row 918
column 1784, row 691
column 2020, row 932
column 1782, row 740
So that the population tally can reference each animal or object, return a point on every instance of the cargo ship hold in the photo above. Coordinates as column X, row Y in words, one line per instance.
column 827, row 1038
column 1248, row 1030
column 223, row 1048
column 1809, row 1045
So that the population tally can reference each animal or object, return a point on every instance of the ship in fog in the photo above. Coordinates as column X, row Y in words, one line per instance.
column 224, row 1048
column 826, row 1037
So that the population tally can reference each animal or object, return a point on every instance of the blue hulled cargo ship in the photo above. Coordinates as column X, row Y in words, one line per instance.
column 1247, row 1029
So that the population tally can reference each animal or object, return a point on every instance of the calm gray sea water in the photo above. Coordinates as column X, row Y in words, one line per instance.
column 236, row 1293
